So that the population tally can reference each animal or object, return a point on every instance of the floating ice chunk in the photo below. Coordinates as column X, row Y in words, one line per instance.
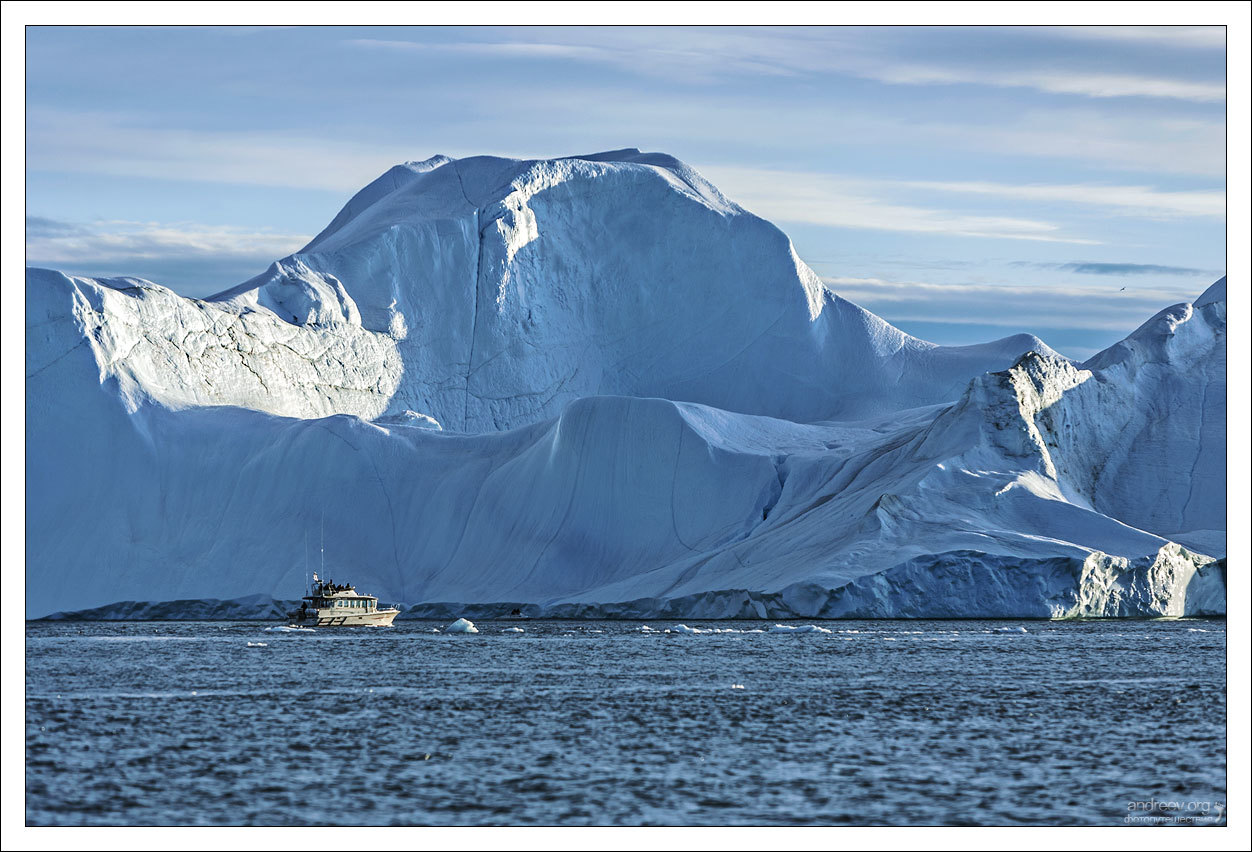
column 513, row 630
column 647, row 629
column 736, row 686
column 286, row 628
column 461, row 625
column 1011, row 630
column 257, row 645
column 805, row 628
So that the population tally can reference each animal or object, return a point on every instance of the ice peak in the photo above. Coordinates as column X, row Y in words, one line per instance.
column 429, row 164
column 1215, row 293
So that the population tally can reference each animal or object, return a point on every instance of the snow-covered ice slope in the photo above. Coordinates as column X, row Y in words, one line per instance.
column 511, row 288
column 653, row 408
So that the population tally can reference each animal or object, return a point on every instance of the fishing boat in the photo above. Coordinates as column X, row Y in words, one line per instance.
column 332, row 604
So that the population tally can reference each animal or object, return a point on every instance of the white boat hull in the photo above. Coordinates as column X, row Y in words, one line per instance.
column 333, row 618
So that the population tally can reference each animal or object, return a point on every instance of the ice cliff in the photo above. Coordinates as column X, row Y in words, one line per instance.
column 649, row 405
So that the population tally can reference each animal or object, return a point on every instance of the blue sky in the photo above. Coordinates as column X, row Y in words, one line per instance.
column 963, row 183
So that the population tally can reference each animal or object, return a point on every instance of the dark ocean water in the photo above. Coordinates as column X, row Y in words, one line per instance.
column 595, row 723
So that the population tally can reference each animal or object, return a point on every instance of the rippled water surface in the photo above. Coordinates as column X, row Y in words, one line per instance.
column 572, row 723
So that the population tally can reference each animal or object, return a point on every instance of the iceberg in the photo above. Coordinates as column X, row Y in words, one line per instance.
column 594, row 386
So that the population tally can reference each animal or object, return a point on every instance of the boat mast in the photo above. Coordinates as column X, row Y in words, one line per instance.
column 323, row 544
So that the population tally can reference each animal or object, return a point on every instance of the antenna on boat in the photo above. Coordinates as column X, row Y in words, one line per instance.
column 323, row 543
column 306, row 562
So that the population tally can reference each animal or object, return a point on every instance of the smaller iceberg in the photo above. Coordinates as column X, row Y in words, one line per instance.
column 461, row 625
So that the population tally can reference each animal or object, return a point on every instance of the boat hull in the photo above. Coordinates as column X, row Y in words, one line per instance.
column 329, row 618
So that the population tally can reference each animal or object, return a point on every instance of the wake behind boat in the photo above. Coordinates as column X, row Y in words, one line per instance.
column 339, row 605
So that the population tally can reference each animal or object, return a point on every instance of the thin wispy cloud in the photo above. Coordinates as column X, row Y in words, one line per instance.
column 110, row 242
column 1135, row 142
column 1092, row 85
column 116, row 145
column 1128, row 200
column 1151, row 141
column 884, row 56
column 818, row 199
column 1019, row 307
column 522, row 49
column 1196, row 38
column 652, row 52
column 60, row 140
column 1120, row 269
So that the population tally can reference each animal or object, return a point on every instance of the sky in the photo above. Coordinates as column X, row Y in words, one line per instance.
column 964, row 183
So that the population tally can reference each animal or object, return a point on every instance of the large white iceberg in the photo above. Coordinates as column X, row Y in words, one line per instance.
column 650, row 406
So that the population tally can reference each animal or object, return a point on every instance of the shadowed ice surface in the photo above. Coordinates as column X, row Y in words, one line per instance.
column 608, row 723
